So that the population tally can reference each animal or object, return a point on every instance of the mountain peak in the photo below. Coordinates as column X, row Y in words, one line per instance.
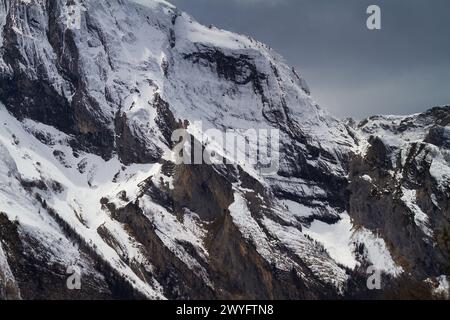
column 89, row 101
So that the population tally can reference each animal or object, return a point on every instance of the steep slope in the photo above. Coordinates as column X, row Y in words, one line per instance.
column 90, row 177
column 401, row 178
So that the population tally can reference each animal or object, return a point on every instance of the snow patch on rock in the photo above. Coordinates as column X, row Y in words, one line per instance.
column 336, row 238
column 376, row 252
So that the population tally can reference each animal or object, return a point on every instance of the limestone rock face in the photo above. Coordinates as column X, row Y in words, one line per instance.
column 90, row 93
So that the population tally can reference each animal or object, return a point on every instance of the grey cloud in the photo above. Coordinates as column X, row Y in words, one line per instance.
column 403, row 68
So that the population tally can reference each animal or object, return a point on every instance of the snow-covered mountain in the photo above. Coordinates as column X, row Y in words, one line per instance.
column 90, row 93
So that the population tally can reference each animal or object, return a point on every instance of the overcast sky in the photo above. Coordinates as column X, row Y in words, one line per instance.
column 352, row 71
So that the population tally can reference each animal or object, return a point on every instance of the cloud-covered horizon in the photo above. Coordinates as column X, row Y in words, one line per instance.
column 403, row 68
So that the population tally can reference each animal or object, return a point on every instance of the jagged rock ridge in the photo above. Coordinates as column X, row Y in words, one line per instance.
column 88, row 177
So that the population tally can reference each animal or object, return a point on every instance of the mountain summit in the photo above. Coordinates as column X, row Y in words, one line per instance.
column 90, row 186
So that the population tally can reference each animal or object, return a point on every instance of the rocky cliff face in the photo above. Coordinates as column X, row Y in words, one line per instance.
column 89, row 179
column 401, row 179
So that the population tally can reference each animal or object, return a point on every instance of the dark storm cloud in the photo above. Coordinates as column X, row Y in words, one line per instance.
column 403, row 68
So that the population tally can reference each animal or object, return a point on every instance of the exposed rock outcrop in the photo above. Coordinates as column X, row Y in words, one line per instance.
column 89, row 177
